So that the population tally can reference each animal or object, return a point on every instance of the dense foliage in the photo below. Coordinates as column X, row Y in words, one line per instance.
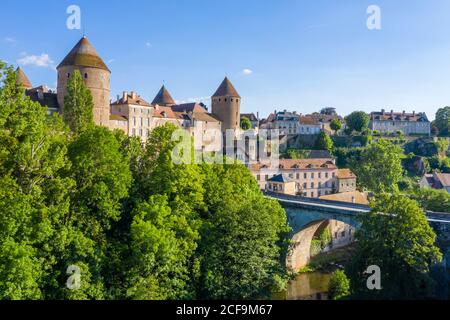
column 379, row 167
column 397, row 238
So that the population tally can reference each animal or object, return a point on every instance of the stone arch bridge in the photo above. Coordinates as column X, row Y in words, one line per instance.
column 306, row 216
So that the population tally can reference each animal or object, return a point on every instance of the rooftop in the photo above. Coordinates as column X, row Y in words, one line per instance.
column 302, row 164
column 399, row 116
column 163, row 98
column 84, row 55
column 280, row 178
column 226, row 89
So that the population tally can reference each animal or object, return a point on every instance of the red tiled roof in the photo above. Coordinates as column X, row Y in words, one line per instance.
column 298, row 164
column 345, row 174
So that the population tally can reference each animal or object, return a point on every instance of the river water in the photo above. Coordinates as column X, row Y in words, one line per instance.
column 307, row 286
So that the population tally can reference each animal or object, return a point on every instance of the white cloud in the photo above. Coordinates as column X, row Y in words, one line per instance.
column 247, row 72
column 111, row 61
column 38, row 61
column 10, row 40
column 148, row 44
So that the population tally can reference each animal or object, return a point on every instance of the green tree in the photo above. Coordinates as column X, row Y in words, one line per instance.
column 323, row 142
column 78, row 104
column 335, row 125
column 34, row 197
column 357, row 121
column 397, row 237
column 442, row 121
column 379, row 167
column 162, row 244
column 245, row 124
column 242, row 238
column 339, row 286
column 432, row 199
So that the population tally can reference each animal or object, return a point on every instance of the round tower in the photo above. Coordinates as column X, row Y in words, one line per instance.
column 22, row 79
column 84, row 58
column 226, row 105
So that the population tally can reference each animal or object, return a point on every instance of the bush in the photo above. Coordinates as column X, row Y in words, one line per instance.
column 339, row 287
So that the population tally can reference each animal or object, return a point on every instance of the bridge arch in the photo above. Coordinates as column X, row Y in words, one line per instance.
column 305, row 224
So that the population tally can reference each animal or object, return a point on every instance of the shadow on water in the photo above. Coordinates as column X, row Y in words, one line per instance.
column 306, row 286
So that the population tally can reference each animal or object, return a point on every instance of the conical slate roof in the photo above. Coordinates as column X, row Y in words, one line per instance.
column 226, row 89
column 163, row 98
column 22, row 79
column 83, row 55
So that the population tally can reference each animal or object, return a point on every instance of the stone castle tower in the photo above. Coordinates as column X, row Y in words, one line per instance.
column 96, row 75
column 226, row 105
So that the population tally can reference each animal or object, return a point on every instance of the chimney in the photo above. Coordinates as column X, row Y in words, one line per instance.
column 404, row 112
column 382, row 111
column 125, row 96
column 392, row 112
column 118, row 98
column 133, row 95
column 414, row 113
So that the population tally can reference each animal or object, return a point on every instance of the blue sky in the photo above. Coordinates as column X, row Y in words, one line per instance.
column 303, row 55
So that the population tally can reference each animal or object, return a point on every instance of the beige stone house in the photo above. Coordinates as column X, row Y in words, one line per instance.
column 313, row 177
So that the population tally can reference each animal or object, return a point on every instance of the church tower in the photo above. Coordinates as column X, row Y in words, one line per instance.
column 84, row 58
column 226, row 105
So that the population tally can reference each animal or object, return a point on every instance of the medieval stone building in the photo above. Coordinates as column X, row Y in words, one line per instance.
column 130, row 112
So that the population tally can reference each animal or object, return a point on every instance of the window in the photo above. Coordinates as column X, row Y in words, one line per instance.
column 320, row 193
column 312, row 194
column 134, row 120
column 68, row 75
column 267, row 177
column 258, row 177
column 320, row 184
column 343, row 234
column 298, row 176
column 134, row 132
column 312, row 184
column 312, row 175
column 326, row 174
column 85, row 75
column 304, row 176
column 305, row 186
column 140, row 132
column 320, row 175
